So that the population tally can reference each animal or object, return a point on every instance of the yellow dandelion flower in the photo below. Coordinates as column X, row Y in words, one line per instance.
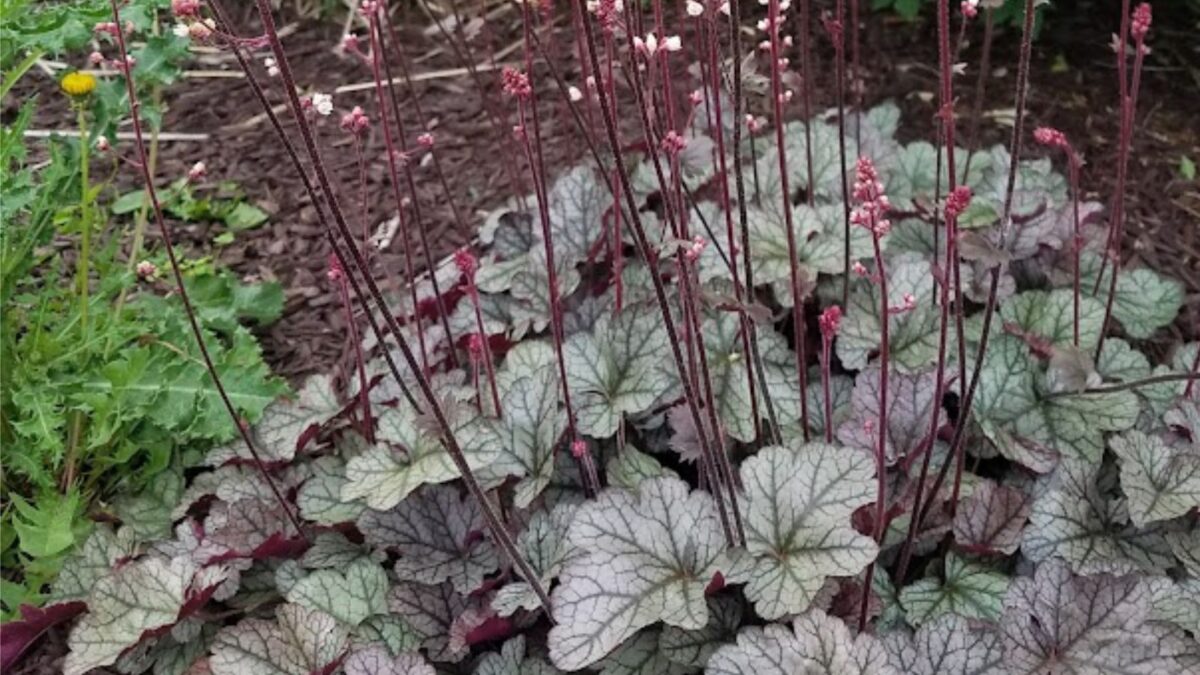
column 77, row 84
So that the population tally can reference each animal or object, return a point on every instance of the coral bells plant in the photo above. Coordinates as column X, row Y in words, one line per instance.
column 985, row 479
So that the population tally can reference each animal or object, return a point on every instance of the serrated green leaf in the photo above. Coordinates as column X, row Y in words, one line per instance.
column 968, row 589
column 1146, row 302
column 914, row 336
column 797, row 512
column 544, row 545
column 648, row 557
column 947, row 644
column 320, row 497
column 300, row 641
column 529, row 432
column 817, row 644
column 641, row 655
column 619, row 369
column 630, row 466
column 693, row 648
column 349, row 595
column 1159, row 481
column 1074, row 521
column 512, row 660
column 377, row 660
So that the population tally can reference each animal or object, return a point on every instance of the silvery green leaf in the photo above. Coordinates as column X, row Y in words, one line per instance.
column 509, row 231
column 1048, row 315
column 641, row 655
column 527, row 356
column 148, row 513
column 435, row 532
column 727, row 372
column 90, row 563
column 819, row 239
column 382, row 476
column 826, row 180
column 1073, row 520
column 1057, row 622
column 389, row 630
column 495, row 276
column 1037, row 186
column 968, row 589
column 648, row 556
column 910, row 407
column 618, row 369
column 817, row 645
column 320, row 497
column 991, row 519
column 576, row 203
column 914, row 334
column 544, row 545
column 1176, row 602
column 796, row 511
column 300, row 641
column 512, row 660
column 1159, row 482
column 1032, row 427
column 529, row 430
column 1120, row 362
column 947, row 644
column 430, row 611
column 349, row 595
column 129, row 603
column 630, row 466
column 284, row 424
column 377, row 660
column 237, row 530
column 171, row 654
column 334, row 550
column 1184, row 418
column 531, row 286
column 694, row 647
column 1145, row 302
column 841, row 392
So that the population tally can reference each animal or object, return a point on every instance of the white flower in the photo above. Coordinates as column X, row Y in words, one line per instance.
column 323, row 104
column 672, row 43
column 651, row 44
column 181, row 30
column 694, row 9
column 724, row 8
column 272, row 67
column 574, row 93
column 763, row 25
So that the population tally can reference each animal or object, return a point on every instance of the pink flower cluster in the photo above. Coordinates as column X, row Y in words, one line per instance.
column 694, row 252
column 515, row 83
column 1051, row 138
column 475, row 347
column 970, row 8
column 356, row 121
column 185, row 8
column 830, row 320
column 335, row 273
column 672, row 143
column 872, row 204
column 1140, row 24
column 957, row 202
column 466, row 262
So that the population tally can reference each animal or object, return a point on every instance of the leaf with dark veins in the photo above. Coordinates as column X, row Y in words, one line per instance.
column 991, row 518
column 299, row 641
column 436, row 533
column 817, row 644
column 947, row 644
column 1159, row 481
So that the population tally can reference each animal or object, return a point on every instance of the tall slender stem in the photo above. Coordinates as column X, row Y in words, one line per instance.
column 882, row 431
column 798, row 323
column 193, row 322
column 495, row 525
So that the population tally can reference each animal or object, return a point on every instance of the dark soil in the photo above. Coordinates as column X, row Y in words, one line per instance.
column 1073, row 87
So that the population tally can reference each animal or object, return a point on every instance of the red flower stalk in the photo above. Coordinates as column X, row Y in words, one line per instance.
column 778, row 96
column 337, row 275
column 467, row 266
column 1139, row 26
column 830, row 320
column 1053, row 138
column 834, row 28
column 872, row 206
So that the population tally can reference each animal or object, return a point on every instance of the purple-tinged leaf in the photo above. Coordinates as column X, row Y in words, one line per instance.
column 1159, row 482
column 991, row 519
column 437, row 534
column 431, row 612
column 910, row 406
column 947, row 644
column 19, row 634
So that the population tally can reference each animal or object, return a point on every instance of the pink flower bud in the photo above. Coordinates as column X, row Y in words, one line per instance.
column 356, row 121
column 970, row 8
column 859, row 269
column 102, row 144
column 829, row 321
column 185, row 8
column 475, row 347
column 197, row 172
column 579, row 448
column 466, row 262
column 694, row 252
column 106, row 27
column 957, row 202
column 351, row 44
column 515, row 83
column 696, row 97
column 95, row 58
column 425, row 140
column 672, row 143
column 1140, row 25
column 335, row 273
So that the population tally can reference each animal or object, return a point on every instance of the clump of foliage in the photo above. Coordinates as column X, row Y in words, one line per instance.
column 635, row 469
column 103, row 389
